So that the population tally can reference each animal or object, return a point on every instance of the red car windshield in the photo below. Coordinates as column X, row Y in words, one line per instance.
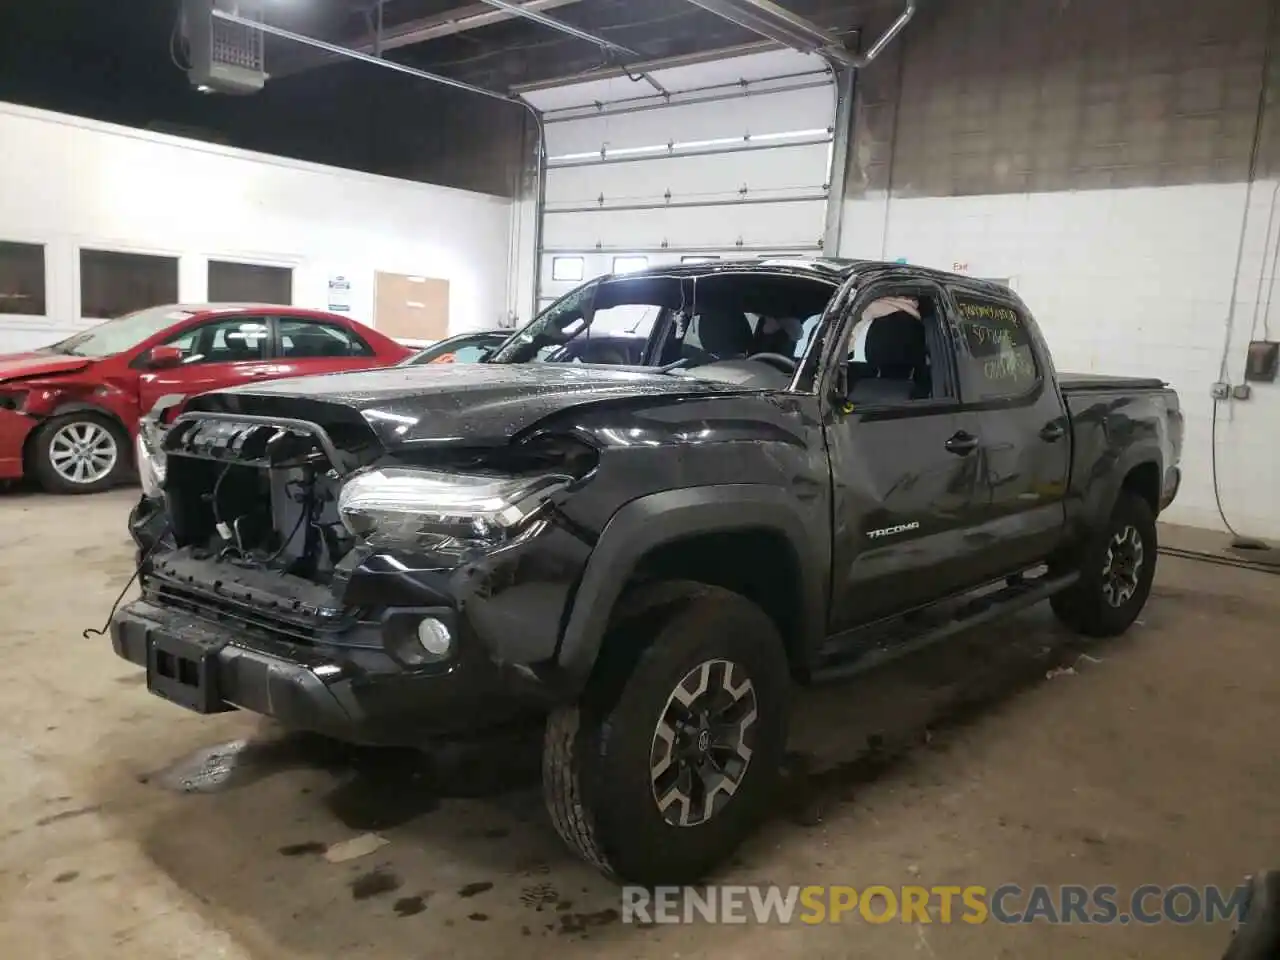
column 121, row 334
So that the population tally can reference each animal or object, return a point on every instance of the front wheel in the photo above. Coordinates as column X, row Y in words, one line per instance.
column 80, row 453
column 664, row 779
column 1116, row 573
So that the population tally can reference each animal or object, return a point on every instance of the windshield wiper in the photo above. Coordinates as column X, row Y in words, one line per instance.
column 673, row 365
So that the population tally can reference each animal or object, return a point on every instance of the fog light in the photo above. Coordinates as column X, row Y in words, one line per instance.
column 435, row 638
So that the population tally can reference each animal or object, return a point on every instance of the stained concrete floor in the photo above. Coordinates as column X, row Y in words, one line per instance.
column 131, row 829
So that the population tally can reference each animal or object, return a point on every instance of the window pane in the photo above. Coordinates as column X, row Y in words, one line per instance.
column 306, row 338
column 249, row 283
column 112, row 284
column 469, row 354
column 22, row 279
column 230, row 340
column 997, row 349
column 566, row 268
column 628, row 264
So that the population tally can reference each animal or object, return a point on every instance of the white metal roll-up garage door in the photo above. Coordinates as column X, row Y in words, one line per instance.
column 732, row 159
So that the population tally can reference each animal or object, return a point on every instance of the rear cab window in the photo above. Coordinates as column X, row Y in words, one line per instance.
column 997, row 355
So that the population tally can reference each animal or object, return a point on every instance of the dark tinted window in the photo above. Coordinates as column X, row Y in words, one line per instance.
column 236, row 339
column 996, row 349
column 22, row 279
column 249, row 283
column 113, row 284
column 309, row 338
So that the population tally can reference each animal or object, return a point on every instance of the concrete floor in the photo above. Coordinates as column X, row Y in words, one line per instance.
column 131, row 829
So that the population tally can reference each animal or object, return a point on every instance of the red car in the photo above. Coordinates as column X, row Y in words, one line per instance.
column 69, row 412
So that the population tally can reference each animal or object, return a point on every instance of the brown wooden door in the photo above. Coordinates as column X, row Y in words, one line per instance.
column 408, row 307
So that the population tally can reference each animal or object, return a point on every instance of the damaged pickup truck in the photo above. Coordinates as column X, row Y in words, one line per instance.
column 817, row 466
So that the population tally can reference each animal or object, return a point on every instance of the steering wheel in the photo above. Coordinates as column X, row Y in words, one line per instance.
column 779, row 362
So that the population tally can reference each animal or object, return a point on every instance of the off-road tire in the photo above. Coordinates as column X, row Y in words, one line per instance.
column 41, row 456
column 596, row 767
column 1084, row 606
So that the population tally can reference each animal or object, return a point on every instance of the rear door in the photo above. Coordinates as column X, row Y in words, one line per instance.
column 903, row 464
column 223, row 352
column 307, row 346
column 1009, row 387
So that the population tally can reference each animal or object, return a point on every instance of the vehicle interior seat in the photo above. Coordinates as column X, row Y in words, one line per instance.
column 897, row 364
column 234, row 350
column 315, row 345
column 722, row 335
column 779, row 335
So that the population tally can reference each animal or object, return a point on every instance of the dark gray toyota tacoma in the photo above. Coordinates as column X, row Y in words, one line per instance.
column 817, row 465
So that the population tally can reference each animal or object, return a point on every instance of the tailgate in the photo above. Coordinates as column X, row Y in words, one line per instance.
column 1100, row 383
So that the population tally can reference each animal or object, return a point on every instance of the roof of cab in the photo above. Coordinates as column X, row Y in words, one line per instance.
column 829, row 269
column 273, row 308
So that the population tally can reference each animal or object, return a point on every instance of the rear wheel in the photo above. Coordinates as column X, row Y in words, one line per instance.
column 662, row 771
column 1116, row 573
column 80, row 453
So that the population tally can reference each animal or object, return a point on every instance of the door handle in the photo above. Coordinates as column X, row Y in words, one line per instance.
column 962, row 444
column 1053, row 431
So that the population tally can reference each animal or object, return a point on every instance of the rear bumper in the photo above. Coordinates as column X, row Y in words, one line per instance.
column 356, row 695
column 14, row 429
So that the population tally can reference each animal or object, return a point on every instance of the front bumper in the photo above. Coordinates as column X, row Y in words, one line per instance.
column 14, row 429
column 357, row 695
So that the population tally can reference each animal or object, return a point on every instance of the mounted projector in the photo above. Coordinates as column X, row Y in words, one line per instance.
column 223, row 57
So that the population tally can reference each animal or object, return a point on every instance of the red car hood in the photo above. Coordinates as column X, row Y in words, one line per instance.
column 20, row 366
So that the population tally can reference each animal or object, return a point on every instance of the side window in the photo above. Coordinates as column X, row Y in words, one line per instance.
column 806, row 334
column 997, row 356
column 229, row 340
column 890, row 352
column 301, row 338
column 471, row 353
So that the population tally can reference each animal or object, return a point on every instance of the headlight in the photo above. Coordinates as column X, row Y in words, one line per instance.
column 442, row 511
column 150, row 463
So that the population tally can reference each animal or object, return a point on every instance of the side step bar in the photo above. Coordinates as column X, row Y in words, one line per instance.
column 908, row 637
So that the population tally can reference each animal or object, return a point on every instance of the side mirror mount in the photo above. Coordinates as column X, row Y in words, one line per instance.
column 163, row 357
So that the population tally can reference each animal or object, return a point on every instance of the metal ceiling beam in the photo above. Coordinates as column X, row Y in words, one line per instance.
column 781, row 25
column 648, row 66
column 523, row 10
column 466, row 18
column 361, row 55
column 621, row 53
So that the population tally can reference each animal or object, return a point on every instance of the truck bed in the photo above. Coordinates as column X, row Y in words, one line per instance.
column 1101, row 382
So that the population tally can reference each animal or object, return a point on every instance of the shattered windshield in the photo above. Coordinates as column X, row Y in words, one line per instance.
column 121, row 334
column 685, row 321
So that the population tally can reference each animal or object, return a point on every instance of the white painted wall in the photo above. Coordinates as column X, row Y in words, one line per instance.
column 71, row 183
column 1131, row 282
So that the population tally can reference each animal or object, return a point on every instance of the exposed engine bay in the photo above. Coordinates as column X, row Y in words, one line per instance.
column 260, row 496
column 293, row 499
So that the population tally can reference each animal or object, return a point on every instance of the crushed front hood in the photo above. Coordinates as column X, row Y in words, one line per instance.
column 24, row 366
column 465, row 405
